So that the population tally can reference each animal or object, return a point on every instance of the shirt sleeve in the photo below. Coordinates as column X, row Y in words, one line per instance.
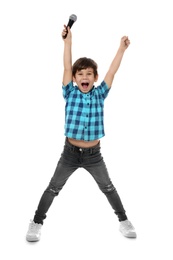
column 103, row 90
column 67, row 89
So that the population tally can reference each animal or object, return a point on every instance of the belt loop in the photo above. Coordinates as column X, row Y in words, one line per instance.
column 91, row 150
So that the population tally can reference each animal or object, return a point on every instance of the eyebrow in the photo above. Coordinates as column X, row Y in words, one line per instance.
column 89, row 69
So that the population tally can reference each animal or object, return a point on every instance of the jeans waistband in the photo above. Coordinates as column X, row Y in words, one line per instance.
column 81, row 149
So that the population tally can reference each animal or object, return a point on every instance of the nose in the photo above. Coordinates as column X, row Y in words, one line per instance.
column 85, row 76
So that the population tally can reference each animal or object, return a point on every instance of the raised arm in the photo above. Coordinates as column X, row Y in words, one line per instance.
column 116, row 61
column 67, row 57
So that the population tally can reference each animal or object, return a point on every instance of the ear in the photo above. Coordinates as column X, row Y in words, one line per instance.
column 96, row 78
column 74, row 79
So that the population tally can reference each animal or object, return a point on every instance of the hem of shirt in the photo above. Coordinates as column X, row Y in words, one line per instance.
column 84, row 139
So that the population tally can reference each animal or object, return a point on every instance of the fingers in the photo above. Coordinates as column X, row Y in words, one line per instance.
column 65, row 31
column 125, row 40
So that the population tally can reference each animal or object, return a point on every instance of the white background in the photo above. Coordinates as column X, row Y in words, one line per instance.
column 137, row 148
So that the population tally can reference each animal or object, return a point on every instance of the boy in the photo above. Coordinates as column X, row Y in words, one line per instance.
column 83, row 129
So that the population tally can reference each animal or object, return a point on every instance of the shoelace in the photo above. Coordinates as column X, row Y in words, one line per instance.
column 128, row 225
column 34, row 226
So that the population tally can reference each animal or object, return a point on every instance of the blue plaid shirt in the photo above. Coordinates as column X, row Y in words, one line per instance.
column 84, row 112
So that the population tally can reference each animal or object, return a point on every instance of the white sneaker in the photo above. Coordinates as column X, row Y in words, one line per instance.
column 127, row 229
column 34, row 232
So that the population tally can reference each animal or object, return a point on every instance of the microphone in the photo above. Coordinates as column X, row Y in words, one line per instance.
column 71, row 21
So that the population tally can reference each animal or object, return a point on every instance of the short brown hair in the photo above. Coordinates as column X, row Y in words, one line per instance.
column 84, row 63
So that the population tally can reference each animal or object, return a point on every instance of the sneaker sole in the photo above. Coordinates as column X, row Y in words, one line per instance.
column 131, row 235
column 32, row 239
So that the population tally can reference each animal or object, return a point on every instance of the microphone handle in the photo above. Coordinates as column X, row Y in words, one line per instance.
column 70, row 23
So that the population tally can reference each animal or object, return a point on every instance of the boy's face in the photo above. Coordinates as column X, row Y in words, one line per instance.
column 85, row 79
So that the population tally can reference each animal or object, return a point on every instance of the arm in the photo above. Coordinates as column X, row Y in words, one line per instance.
column 116, row 61
column 67, row 57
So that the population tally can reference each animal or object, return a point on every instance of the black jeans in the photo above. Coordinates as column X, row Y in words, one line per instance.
column 72, row 158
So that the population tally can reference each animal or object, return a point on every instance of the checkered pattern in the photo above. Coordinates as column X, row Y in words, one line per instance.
column 84, row 112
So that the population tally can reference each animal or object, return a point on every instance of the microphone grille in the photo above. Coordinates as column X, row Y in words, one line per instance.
column 73, row 17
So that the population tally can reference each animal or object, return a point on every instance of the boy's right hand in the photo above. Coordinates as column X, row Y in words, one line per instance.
column 66, row 33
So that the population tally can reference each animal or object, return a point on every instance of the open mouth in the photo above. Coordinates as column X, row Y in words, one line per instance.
column 85, row 85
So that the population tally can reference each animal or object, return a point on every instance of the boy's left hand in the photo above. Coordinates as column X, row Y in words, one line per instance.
column 125, row 42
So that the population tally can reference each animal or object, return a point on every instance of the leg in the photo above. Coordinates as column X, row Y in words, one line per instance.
column 99, row 172
column 63, row 171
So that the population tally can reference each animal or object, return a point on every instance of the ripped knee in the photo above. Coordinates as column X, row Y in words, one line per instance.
column 53, row 191
column 108, row 188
